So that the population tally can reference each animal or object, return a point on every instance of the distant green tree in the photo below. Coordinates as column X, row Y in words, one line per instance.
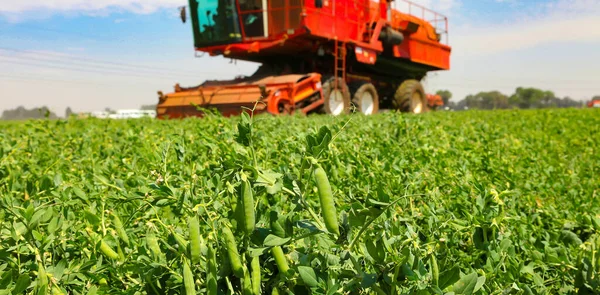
column 21, row 113
column 445, row 94
column 527, row 98
column 68, row 112
column 487, row 100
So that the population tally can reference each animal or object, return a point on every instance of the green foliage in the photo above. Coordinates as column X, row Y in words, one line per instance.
column 445, row 94
column 21, row 113
column 501, row 202
column 487, row 100
column 523, row 98
column 531, row 97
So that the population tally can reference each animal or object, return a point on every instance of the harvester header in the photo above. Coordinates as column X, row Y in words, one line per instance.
column 329, row 56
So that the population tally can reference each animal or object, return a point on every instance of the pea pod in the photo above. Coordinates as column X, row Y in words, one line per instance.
column 327, row 203
column 183, row 244
column 232, row 251
column 280, row 260
column 238, row 213
column 435, row 272
column 42, row 277
column 211, row 274
column 152, row 244
column 108, row 251
column 194, row 228
column 248, row 204
column 256, row 278
column 224, row 263
column 57, row 291
column 188, row 278
column 247, row 283
column 120, row 229
column 120, row 251
column 596, row 223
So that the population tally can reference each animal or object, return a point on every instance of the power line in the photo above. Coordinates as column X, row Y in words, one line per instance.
column 81, row 69
column 51, row 64
column 29, row 79
column 136, row 66
column 109, row 68
column 33, row 28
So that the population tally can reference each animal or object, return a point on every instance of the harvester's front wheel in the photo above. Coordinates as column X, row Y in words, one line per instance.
column 337, row 101
column 366, row 99
column 410, row 97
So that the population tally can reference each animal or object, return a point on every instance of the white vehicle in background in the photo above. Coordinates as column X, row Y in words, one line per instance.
column 100, row 114
column 132, row 114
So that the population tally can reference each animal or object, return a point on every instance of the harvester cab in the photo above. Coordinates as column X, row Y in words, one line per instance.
column 328, row 56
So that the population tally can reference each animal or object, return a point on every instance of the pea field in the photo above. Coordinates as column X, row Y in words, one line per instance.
column 473, row 202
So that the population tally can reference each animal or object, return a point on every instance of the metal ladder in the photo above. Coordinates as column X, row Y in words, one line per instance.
column 340, row 61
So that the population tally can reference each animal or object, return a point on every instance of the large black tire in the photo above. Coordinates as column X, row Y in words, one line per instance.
column 329, row 107
column 410, row 97
column 366, row 89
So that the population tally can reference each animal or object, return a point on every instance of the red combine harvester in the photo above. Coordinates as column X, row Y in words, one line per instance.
column 327, row 56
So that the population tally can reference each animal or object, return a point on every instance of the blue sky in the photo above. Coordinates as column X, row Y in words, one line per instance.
column 117, row 53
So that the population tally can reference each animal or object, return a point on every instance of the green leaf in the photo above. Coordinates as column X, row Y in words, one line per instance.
column 449, row 277
column 93, row 290
column 78, row 192
column 91, row 217
column 466, row 285
column 36, row 217
column 59, row 269
column 480, row 283
column 368, row 280
column 528, row 268
column 318, row 143
column 309, row 225
column 254, row 252
column 22, row 283
column 270, row 180
column 244, row 129
column 570, row 238
column 538, row 280
column 53, row 225
column 273, row 240
column 308, row 276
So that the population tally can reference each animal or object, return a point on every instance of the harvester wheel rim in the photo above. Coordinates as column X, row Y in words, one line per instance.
column 337, row 97
column 417, row 103
column 410, row 97
column 366, row 98
column 336, row 102
column 366, row 103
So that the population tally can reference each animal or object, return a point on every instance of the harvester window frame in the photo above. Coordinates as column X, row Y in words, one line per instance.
column 204, row 18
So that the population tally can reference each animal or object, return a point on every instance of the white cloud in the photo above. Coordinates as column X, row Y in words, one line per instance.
column 445, row 7
column 485, row 41
column 547, row 45
column 557, row 21
column 137, row 6
column 78, row 49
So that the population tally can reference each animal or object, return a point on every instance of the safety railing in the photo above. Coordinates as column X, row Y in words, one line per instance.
column 267, row 18
column 437, row 20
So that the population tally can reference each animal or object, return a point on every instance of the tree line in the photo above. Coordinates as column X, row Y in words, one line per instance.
column 22, row 113
column 522, row 98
